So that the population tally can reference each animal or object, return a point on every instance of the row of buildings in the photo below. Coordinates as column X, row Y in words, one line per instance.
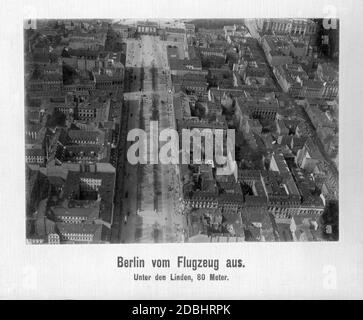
column 73, row 104
column 284, row 180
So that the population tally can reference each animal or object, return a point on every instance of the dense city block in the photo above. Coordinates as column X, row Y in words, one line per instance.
column 89, row 83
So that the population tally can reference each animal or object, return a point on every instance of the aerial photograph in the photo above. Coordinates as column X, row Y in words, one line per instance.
column 181, row 130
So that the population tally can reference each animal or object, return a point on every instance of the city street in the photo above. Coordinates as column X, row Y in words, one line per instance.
column 150, row 193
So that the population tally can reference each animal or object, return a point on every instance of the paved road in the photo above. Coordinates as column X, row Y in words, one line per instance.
column 151, row 193
column 252, row 28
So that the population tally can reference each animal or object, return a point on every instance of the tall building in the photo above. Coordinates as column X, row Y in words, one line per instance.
column 295, row 27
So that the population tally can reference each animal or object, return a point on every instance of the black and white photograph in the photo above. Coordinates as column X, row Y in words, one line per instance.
column 127, row 122
column 161, row 149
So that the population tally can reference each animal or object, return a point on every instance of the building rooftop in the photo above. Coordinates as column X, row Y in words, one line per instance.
column 89, row 212
column 105, row 190
column 80, row 228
